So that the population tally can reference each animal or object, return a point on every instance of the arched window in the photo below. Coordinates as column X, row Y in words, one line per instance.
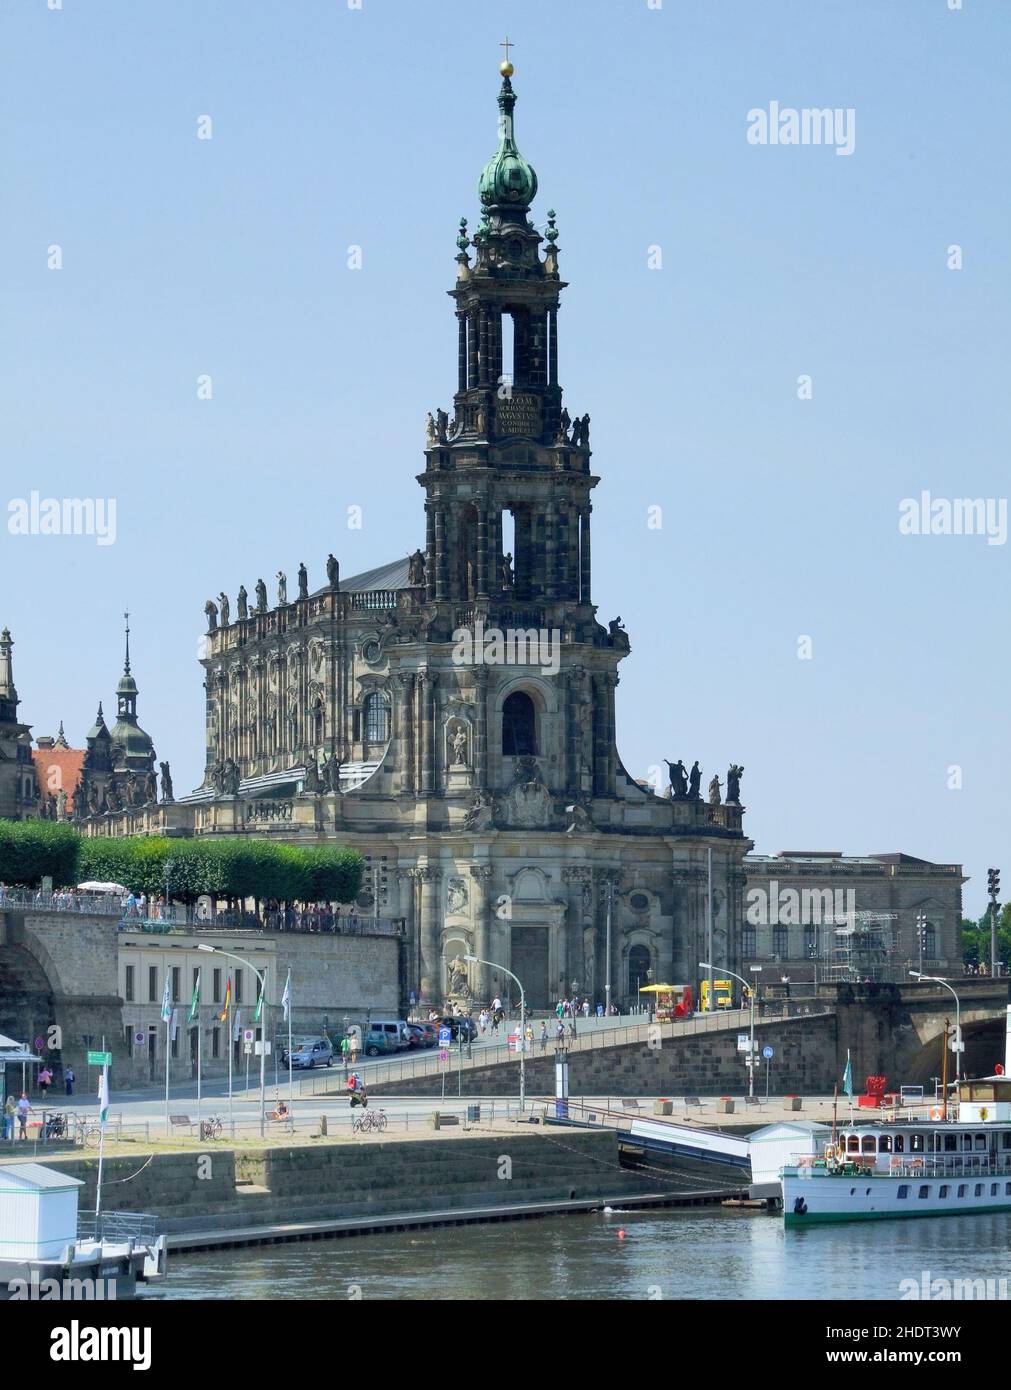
column 377, row 718
column 930, row 941
column 318, row 722
column 519, row 726
column 638, row 965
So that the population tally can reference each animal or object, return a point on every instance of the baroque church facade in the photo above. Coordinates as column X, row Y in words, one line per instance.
column 452, row 714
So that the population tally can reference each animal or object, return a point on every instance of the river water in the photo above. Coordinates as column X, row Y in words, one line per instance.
column 697, row 1254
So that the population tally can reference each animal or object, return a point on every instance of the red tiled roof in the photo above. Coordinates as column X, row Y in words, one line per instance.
column 59, row 767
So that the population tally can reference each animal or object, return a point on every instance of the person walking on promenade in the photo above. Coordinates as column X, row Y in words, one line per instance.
column 586, row 1008
column 24, row 1109
column 10, row 1110
column 345, row 1052
column 572, row 1026
column 560, row 1032
column 354, row 1048
column 68, row 1077
column 559, row 1009
column 544, row 1034
column 45, row 1080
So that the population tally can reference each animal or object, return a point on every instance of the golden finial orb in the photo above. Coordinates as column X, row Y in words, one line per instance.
column 506, row 69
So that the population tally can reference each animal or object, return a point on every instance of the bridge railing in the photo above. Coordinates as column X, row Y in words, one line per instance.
column 416, row 1066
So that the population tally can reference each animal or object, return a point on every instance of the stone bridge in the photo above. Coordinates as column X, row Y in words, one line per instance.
column 60, row 970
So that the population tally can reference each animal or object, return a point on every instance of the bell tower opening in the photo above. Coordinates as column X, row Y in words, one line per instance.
column 519, row 726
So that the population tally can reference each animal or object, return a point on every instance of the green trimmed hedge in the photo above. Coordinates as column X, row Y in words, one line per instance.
column 31, row 850
column 233, row 868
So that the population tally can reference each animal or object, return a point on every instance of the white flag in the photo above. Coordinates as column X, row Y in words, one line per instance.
column 237, row 1027
column 286, row 997
column 103, row 1095
column 166, row 999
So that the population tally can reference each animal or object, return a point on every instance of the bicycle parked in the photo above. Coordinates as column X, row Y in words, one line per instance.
column 211, row 1128
column 371, row 1120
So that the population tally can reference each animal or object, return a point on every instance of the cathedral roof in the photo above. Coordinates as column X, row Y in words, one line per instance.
column 68, row 763
column 391, row 576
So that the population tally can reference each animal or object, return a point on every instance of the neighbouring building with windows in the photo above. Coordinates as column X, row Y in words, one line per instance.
column 452, row 713
column 825, row 916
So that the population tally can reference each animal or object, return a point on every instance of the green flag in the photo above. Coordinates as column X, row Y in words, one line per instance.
column 259, row 1007
column 847, row 1080
column 195, row 1001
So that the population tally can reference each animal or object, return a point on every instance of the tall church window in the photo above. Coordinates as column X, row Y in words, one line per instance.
column 929, row 941
column 519, row 726
column 318, row 722
column 377, row 718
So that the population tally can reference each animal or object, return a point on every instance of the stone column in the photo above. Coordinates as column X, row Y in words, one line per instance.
column 551, row 552
column 584, row 555
column 610, row 751
column 405, row 729
column 599, row 736
column 481, row 874
column 440, row 554
column 431, row 963
column 430, row 552
column 574, row 683
column 462, row 352
column 482, row 548
column 481, row 727
column 425, row 734
column 483, row 349
column 405, row 881
column 472, row 333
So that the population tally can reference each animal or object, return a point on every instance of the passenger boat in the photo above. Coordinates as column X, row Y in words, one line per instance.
column 955, row 1162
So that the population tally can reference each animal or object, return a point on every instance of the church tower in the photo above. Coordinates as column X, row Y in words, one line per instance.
column 508, row 484
column 19, row 791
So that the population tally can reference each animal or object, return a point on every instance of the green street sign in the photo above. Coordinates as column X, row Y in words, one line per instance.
column 99, row 1059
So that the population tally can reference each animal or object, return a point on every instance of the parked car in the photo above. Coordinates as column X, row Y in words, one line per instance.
column 385, row 1035
column 459, row 1027
column 423, row 1034
column 313, row 1052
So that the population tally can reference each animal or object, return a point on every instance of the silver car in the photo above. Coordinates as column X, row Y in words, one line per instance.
column 314, row 1052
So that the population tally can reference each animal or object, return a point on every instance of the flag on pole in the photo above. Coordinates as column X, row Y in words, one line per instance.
column 847, row 1081
column 237, row 1026
column 103, row 1095
column 228, row 1001
column 166, row 999
column 286, row 997
column 259, row 1006
column 195, row 1001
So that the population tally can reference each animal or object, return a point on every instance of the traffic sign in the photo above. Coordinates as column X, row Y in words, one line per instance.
column 39, row 1044
column 99, row 1059
column 443, row 1056
column 445, row 1036
column 768, row 1053
column 138, row 1038
column 248, row 1035
column 743, row 1042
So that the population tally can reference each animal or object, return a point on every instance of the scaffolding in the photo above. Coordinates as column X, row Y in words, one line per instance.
column 861, row 949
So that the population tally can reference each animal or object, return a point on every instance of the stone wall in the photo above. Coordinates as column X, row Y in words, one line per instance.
column 221, row 1188
column 702, row 1064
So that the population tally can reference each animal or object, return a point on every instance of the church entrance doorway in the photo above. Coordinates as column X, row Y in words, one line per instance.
column 530, row 964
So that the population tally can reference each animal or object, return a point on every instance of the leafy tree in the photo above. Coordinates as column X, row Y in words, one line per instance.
column 31, row 850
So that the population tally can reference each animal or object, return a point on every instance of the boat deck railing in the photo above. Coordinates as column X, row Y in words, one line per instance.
column 955, row 1166
column 118, row 1226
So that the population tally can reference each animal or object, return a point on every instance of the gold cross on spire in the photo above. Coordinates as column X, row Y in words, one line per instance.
column 506, row 68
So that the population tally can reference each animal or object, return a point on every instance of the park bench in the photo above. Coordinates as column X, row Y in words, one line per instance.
column 752, row 1100
column 693, row 1100
column 630, row 1105
column 177, row 1121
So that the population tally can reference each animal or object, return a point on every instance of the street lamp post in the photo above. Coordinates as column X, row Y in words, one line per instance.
column 706, row 965
column 477, row 960
column 262, row 979
column 935, row 979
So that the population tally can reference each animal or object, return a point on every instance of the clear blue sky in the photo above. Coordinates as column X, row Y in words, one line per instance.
column 334, row 127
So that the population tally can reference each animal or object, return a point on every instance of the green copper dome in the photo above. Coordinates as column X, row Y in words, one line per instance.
column 507, row 178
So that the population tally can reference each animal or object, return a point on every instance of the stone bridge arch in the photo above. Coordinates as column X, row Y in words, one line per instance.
column 60, row 969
